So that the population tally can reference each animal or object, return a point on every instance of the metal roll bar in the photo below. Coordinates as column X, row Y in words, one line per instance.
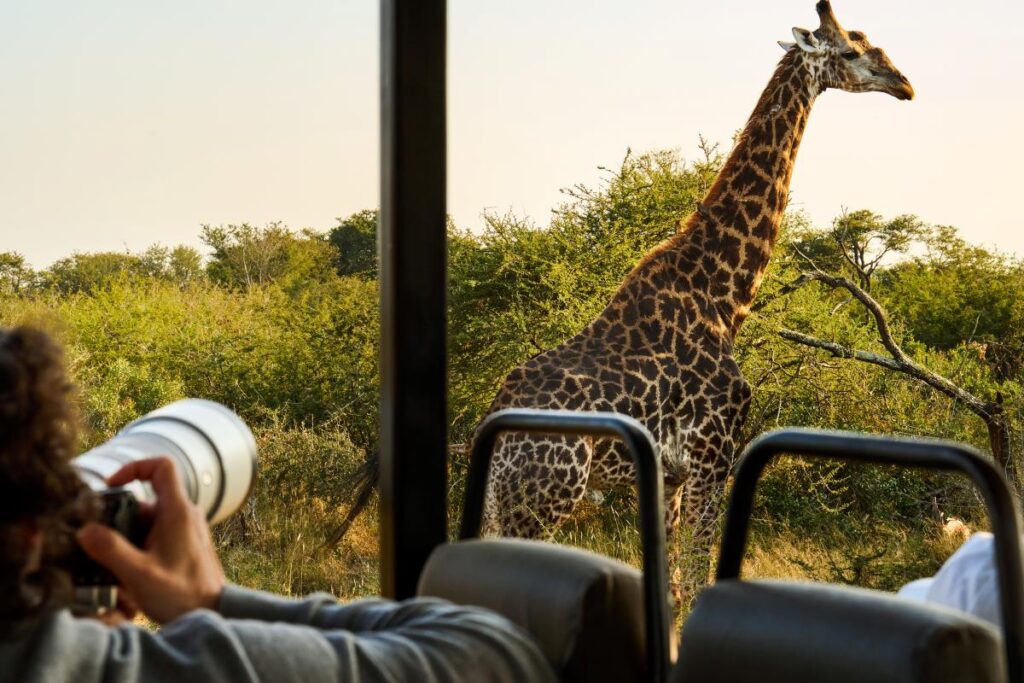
column 649, row 493
column 413, row 289
column 938, row 455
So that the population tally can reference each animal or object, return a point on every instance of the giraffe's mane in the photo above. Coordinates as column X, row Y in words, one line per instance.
column 788, row 62
column 669, row 243
column 786, row 65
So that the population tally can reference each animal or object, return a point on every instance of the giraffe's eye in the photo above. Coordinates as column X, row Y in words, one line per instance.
column 850, row 56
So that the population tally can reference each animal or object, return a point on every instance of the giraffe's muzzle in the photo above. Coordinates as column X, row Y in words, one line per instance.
column 901, row 88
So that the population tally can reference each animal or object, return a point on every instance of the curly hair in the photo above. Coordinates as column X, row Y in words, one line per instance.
column 38, row 486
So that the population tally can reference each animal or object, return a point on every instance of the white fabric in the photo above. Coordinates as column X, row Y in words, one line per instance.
column 917, row 590
column 968, row 581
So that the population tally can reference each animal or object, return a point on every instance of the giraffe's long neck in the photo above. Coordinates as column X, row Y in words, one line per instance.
column 732, row 235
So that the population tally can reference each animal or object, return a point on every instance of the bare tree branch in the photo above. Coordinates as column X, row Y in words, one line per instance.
column 981, row 408
column 990, row 412
column 900, row 361
column 869, row 303
column 840, row 351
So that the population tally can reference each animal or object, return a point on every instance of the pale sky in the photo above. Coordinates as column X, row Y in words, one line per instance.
column 128, row 123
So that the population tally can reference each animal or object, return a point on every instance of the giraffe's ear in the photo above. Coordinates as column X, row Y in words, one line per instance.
column 806, row 41
column 786, row 46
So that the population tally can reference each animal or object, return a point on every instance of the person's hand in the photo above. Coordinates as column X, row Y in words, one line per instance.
column 123, row 613
column 112, row 618
column 178, row 570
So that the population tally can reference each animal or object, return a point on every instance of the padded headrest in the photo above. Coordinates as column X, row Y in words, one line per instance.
column 772, row 631
column 584, row 610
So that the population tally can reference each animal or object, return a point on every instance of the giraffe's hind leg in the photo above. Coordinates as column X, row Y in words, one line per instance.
column 673, row 516
column 535, row 483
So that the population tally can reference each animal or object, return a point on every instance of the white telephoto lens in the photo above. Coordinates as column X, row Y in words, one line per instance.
column 213, row 449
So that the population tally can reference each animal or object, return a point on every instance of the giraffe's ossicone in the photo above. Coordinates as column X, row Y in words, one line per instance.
column 662, row 350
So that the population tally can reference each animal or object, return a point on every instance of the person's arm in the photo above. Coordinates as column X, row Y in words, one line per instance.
column 376, row 640
column 370, row 641
column 259, row 636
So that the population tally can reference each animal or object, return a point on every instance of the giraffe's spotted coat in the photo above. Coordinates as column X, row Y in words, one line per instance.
column 662, row 350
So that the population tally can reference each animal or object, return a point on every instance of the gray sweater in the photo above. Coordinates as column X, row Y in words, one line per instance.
column 256, row 636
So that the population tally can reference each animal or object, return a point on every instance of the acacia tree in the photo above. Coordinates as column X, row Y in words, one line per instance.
column 860, row 241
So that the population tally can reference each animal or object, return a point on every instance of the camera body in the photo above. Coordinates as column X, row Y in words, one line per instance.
column 214, row 453
column 95, row 587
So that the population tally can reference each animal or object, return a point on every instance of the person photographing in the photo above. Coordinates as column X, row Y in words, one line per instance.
column 211, row 630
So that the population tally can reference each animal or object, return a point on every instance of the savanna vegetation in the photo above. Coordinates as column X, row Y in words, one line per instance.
column 282, row 326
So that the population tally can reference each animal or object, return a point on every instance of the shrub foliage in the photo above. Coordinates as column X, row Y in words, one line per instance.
column 282, row 326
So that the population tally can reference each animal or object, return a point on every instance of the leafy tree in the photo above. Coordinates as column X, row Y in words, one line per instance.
column 185, row 265
column 16, row 276
column 355, row 240
column 963, row 294
column 245, row 256
column 88, row 272
column 181, row 265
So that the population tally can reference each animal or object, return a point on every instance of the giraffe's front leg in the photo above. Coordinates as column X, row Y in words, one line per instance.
column 702, row 502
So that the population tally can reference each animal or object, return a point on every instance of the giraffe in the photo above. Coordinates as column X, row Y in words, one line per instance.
column 662, row 349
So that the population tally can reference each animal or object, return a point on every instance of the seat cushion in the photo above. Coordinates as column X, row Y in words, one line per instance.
column 773, row 631
column 585, row 610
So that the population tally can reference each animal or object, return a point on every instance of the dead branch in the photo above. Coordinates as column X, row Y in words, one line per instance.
column 990, row 412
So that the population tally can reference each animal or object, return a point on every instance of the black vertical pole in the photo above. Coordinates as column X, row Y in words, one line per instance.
column 413, row 267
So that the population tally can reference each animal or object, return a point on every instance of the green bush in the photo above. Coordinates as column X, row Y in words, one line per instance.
column 283, row 327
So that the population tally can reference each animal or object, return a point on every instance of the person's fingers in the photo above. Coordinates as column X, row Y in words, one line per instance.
column 167, row 484
column 147, row 511
column 136, row 469
column 113, row 551
column 126, row 606
column 127, row 603
column 115, row 618
column 160, row 472
column 112, row 618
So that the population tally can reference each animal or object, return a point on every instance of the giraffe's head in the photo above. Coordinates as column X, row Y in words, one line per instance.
column 846, row 60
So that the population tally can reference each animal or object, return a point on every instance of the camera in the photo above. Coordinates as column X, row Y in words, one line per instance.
column 214, row 453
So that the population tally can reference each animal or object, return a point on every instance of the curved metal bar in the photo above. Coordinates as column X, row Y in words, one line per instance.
column 649, row 492
column 940, row 455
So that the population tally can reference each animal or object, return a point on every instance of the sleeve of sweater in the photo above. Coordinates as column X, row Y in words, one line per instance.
column 262, row 637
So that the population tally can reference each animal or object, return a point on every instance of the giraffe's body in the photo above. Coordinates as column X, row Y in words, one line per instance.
column 661, row 351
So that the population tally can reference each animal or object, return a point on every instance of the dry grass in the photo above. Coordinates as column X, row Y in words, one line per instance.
column 287, row 554
column 284, row 552
column 885, row 558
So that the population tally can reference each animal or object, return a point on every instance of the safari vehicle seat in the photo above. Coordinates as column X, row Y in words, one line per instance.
column 585, row 611
column 774, row 632
column 596, row 619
